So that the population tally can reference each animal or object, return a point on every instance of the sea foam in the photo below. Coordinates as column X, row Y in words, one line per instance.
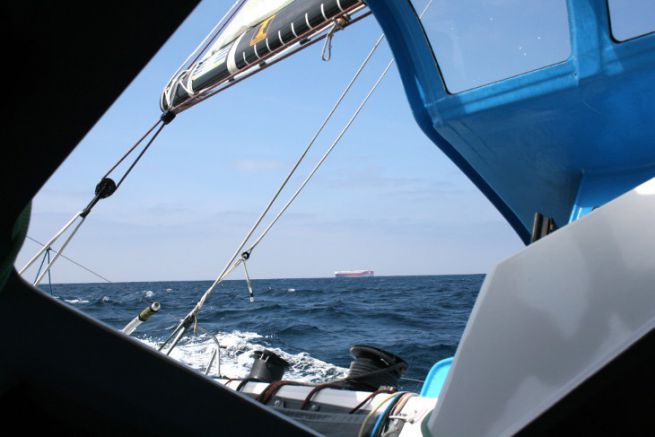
column 236, row 357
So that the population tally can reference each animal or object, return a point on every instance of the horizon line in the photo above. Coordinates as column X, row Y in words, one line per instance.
column 268, row 279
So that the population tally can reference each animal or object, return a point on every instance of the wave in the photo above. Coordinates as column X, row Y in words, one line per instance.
column 236, row 357
column 76, row 301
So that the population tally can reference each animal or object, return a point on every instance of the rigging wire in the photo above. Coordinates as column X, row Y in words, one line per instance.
column 323, row 158
column 71, row 260
column 140, row 155
column 48, row 244
column 40, row 277
column 49, row 276
column 191, row 317
column 105, row 188
column 131, row 149
column 233, row 262
column 45, row 257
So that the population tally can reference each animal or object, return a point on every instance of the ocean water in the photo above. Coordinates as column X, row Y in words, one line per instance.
column 310, row 322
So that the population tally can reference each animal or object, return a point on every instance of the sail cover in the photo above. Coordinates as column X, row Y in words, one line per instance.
column 251, row 14
column 261, row 29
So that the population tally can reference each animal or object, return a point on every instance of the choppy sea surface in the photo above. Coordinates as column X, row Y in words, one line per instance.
column 310, row 322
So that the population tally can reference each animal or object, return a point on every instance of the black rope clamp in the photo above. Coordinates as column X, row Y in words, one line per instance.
column 167, row 116
column 105, row 188
column 245, row 255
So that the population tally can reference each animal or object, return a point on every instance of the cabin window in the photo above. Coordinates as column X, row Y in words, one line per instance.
column 631, row 18
column 477, row 42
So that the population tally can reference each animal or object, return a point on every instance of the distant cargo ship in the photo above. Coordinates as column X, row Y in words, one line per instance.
column 354, row 274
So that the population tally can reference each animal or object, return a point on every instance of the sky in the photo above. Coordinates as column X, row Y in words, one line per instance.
column 387, row 199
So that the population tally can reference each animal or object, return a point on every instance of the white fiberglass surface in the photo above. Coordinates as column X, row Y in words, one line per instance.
column 477, row 42
column 631, row 18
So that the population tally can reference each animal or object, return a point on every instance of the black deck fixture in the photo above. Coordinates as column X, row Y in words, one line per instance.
column 372, row 368
column 60, row 370
column 267, row 366
column 541, row 226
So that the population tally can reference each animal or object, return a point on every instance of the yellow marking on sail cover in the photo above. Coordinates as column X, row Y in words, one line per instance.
column 261, row 32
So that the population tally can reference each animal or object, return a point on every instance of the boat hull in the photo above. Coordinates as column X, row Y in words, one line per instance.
column 355, row 274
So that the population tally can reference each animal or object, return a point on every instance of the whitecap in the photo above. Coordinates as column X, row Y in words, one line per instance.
column 76, row 301
column 236, row 357
column 148, row 294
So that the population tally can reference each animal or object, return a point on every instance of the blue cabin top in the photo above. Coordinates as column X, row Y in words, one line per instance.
column 560, row 139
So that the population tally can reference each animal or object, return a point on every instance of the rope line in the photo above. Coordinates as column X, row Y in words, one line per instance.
column 191, row 317
column 338, row 24
column 233, row 261
column 205, row 43
column 58, row 254
column 105, row 188
column 49, row 277
column 40, row 267
column 48, row 244
column 372, row 413
column 323, row 158
column 131, row 149
column 140, row 155
column 379, row 423
column 340, row 135
column 371, row 397
column 71, row 261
